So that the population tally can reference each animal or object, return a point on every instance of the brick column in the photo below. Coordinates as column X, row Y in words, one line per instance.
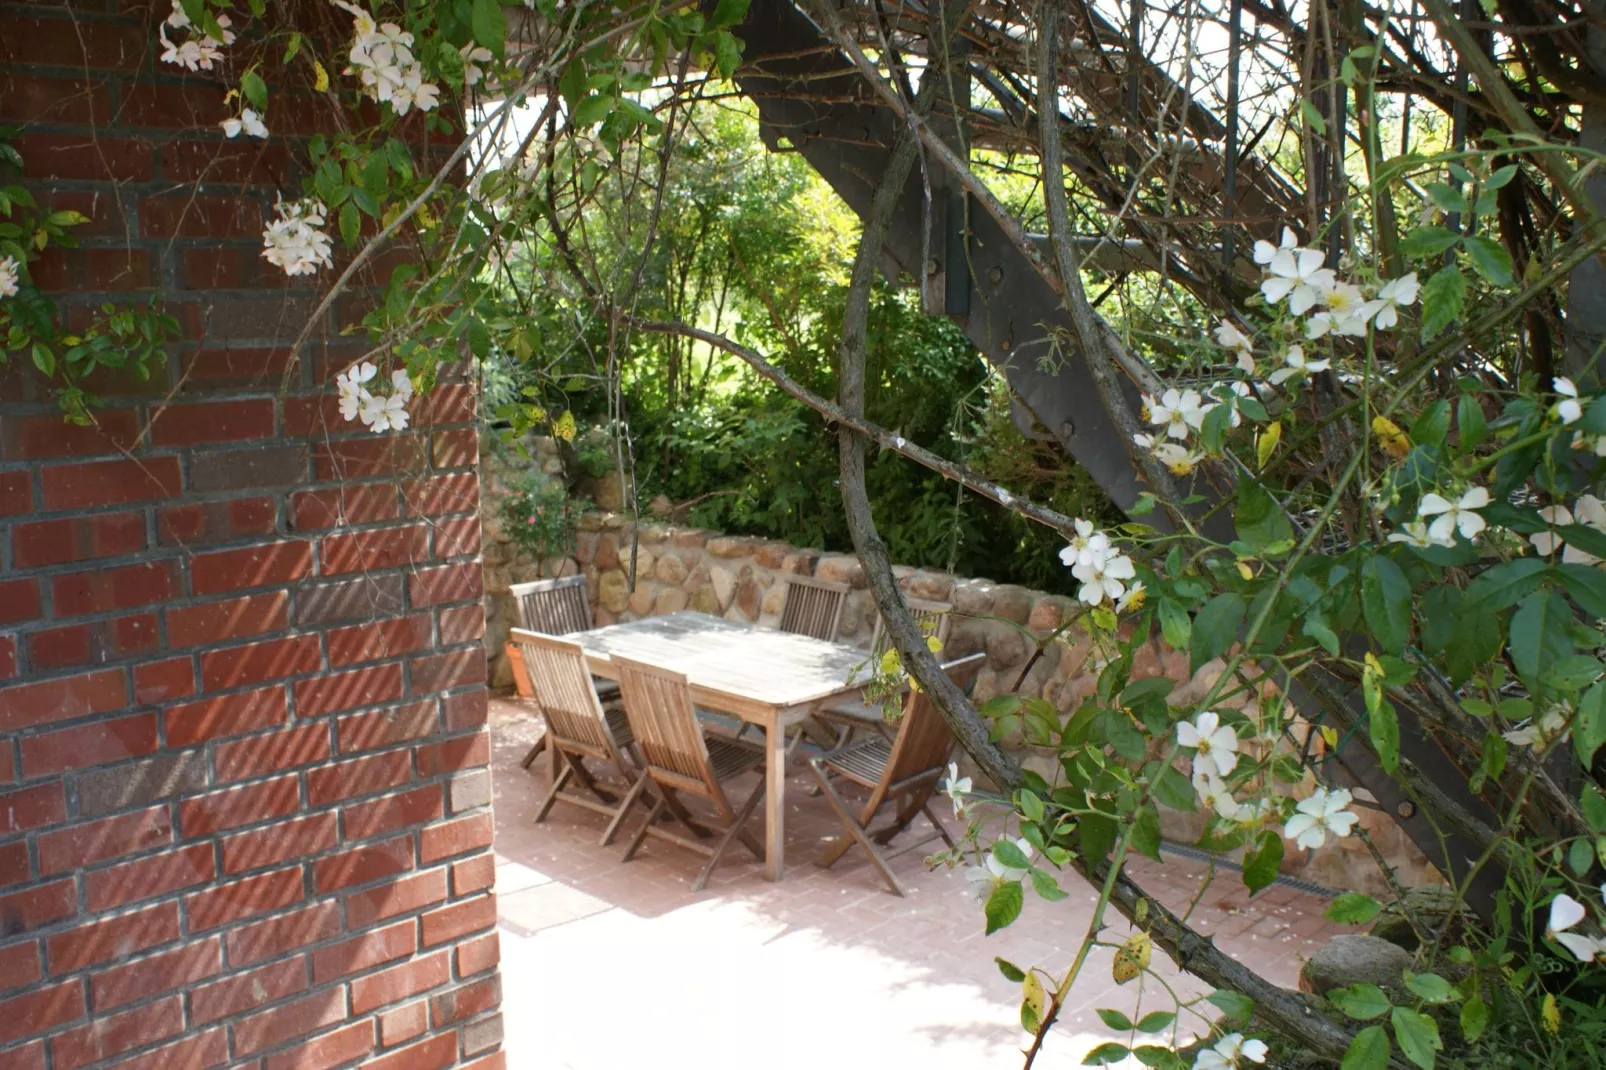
column 244, row 796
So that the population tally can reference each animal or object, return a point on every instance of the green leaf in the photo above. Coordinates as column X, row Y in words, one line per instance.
column 1469, row 419
column 1418, row 1036
column 292, row 48
column 728, row 13
column 1352, row 908
column 1433, row 425
column 1263, row 862
column 1571, row 674
column 1432, row 988
column 727, row 54
column 1474, row 1017
column 1384, row 727
column 1589, row 729
column 1095, row 836
column 1114, row 1019
column 1581, row 857
column 1234, row 1005
column 1501, row 586
column 1215, row 628
column 1442, row 297
column 1009, row 855
column 254, row 89
column 1175, row 625
column 1044, row 884
column 1489, row 257
column 572, row 83
column 1447, row 197
column 1540, row 635
column 1010, row 971
column 1105, row 1054
column 350, row 223
column 1386, row 603
column 1146, row 832
column 1369, row 1050
column 1313, row 116
column 1362, row 1002
column 999, row 706
column 1317, row 628
column 1500, row 177
column 1260, row 521
column 1587, row 586
column 490, row 26
column 1424, row 243
column 1003, row 905
column 1155, row 1021
column 592, row 110
column 1173, row 789
column 1594, row 807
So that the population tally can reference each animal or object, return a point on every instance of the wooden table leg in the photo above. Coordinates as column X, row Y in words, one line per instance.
column 775, row 798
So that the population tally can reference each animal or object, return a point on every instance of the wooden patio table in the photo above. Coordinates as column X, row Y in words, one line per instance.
column 765, row 677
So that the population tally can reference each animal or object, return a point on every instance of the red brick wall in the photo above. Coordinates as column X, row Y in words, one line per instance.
column 244, row 802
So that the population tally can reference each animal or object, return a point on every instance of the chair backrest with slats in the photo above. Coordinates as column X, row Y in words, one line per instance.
column 934, row 618
column 924, row 742
column 556, row 607
column 813, row 607
column 563, row 690
column 663, row 720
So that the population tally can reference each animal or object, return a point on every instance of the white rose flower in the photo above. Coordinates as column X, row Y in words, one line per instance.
column 1215, row 744
column 1459, row 515
column 1325, row 811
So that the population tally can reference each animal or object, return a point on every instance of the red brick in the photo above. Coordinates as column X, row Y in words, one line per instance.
column 465, row 1002
column 364, row 504
column 473, row 874
column 448, row 403
column 462, row 624
column 14, row 865
column 8, row 764
column 448, row 838
column 256, row 662
column 194, row 960
column 280, row 842
column 442, row 671
column 56, row 648
column 403, row 1023
column 379, row 816
column 378, row 640
column 133, row 634
column 57, row 40
column 497, row 1060
column 40, row 1010
column 20, row 965
column 334, row 692
column 242, row 759
column 233, row 162
column 243, row 898
column 206, row 523
column 95, row 643
column 363, row 865
column 34, row 99
column 383, row 728
column 118, row 937
column 150, row 877
column 447, row 583
column 210, row 1048
column 360, row 776
column 333, row 1049
column 364, row 951
column 478, row 954
column 400, row 982
column 242, row 366
column 244, row 991
column 19, row 601
column 90, row 744
column 85, row 157
column 30, row 808
column 232, row 618
column 98, row 841
column 101, row 483
column 453, row 755
column 459, row 919
column 16, row 493
column 456, row 493
column 61, row 270
column 401, row 896
column 455, row 449
column 373, row 550
column 49, row 701
column 38, row 438
column 8, row 657
column 274, row 937
column 191, row 215
column 112, row 1035
column 30, row 1056
column 106, row 589
column 158, row 681
column 432, row 1054
column 365, row 458
column 220, row 811
column 59, row 542
column 227, row 715
column 253, row 566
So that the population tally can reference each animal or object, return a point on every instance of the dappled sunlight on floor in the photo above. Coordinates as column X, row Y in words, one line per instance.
column 609, row 964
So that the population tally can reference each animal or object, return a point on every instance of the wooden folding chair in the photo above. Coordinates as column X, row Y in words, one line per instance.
column 578, row 728
column 813, row 607
column 681, row 757
column 553, row 607
column 934, row 619
column 905, row 770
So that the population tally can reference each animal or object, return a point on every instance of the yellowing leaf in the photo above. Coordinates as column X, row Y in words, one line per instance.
column 1550, row 1014
column 1141, row 912
column 1266, row 443
column 1329, row 736
column 890, row 663
column 933, row 644
column 565, row 428
column 1032, row 994
column 320, row 77
column 1131, row 958
column 1395, row 443
column 1245, row 571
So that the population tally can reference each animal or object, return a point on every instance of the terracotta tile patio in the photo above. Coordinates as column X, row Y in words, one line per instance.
column 609, row 964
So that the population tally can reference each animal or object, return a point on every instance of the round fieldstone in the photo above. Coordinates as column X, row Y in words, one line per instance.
column 613, row 591
column 1353, row 960
column 725, row 546
column 670, row 569
column 932, row 586
column 669, row 600
column 723, row 582
column 606, row 554
column 641, row 600
column 840, row 568
column 974, row 597
column 771, row 554
column 705, row 600
column 1013, row 603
